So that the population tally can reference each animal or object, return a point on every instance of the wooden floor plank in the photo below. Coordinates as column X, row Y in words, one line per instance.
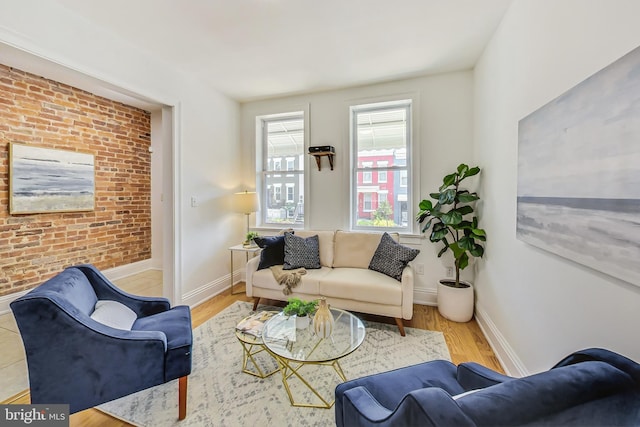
column 465, row 341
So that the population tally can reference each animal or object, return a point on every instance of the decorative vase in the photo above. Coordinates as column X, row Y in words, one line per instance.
column 455, row 303
column 302, row 322
column 323, row 319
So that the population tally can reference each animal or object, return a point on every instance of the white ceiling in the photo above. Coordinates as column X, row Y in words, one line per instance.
column 251, row 49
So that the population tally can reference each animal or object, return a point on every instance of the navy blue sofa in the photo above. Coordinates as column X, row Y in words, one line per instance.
column 76, row 360
column 592, row 387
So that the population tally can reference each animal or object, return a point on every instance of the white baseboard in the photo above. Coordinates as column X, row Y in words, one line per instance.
column 425, row 296
column 510, row 362
column 111, row 274
column 127, row 270
column 203, row 293
column 5, row 300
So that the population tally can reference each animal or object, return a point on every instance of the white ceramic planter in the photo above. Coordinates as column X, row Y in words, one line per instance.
column 302, row 322
column 455, row 303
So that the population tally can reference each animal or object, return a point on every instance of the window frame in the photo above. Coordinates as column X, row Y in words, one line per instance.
column 263, row 173
column 408, row 103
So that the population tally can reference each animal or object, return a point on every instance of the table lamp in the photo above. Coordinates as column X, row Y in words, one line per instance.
column 246, row 202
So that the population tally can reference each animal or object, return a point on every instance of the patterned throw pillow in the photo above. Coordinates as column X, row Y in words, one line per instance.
column 391, row 257
column 272, row 251
column 300, row 252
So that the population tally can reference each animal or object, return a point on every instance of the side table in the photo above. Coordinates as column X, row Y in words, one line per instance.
column 240, row 248
column 251, row 346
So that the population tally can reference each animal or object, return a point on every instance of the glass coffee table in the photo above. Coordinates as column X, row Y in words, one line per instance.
column 295, row 349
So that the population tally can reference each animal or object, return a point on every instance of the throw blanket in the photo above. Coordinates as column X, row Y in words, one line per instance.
column 287, row 278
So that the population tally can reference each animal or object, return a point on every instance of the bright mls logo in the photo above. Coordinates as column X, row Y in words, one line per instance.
column 34, row 415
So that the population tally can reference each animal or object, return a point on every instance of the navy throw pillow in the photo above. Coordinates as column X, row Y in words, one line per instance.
column 391, row 257
column 272, row 251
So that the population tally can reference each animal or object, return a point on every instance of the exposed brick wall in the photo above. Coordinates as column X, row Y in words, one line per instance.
column 45, row 113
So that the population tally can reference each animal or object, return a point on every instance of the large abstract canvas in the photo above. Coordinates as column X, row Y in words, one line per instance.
column 579, row 172
column 50, row 180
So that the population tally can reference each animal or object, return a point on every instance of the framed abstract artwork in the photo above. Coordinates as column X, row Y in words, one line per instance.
column 43, row 180
column 579, row 172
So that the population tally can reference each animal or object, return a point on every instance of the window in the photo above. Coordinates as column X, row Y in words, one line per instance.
column 367, row 205
column 281, row 143
column 403, row 178
column 290, row 193
column 291, row 163
column 381, row 143
column 382, row 175
column 367, row 176
column 277, row 192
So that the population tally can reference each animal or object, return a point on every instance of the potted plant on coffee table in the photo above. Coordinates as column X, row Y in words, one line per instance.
column 301, row 309
column 450, row 220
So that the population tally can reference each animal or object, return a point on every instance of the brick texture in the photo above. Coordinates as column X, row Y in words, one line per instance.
column 41, row 112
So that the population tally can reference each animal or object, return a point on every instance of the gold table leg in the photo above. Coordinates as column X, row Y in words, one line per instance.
column 248, row 353
column 288, row 370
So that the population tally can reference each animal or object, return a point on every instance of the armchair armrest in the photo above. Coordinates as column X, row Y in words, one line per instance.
column 473, row 376
column 603, row 355
column 359, row 400
column 424, row 407
column 104, row 289
column 523, row 401
column 124, row 335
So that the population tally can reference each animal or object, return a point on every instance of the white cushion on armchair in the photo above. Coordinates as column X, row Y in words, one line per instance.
column 114, row 314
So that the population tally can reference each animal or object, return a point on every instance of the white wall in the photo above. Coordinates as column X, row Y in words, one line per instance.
column 536, row 306
column 442, row 132
column 206, row 152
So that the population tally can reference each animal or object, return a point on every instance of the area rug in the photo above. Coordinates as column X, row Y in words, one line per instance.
column 220, row 394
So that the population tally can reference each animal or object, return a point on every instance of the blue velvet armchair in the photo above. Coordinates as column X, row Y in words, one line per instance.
column 593, row 387
column 76, row 360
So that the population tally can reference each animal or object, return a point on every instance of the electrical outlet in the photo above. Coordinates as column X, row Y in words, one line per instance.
column 419, row 268
column 449, row 271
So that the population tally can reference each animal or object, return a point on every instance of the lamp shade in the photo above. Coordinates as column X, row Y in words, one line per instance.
column 246, row 202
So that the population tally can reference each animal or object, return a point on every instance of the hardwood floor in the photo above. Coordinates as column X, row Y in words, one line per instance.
column 465, row 341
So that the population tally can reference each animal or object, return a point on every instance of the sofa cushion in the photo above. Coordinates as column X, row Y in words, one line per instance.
column 325, row 238
column 308, row 285
column 391, row 257
column 361, row 285
column 300, row 252
column 355, row 249
column 272, row 251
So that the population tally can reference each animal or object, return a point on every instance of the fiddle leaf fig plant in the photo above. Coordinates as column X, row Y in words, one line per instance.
column 451, row 221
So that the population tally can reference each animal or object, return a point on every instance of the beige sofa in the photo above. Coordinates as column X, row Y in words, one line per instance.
column 344, row 278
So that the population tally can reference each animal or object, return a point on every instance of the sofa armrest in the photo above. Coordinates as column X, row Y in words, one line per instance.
column 105, row 290
column 407, row 292
column 251, row 267
column 472, row 376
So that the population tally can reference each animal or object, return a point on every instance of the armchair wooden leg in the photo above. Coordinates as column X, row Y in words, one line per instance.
column 400, row 326
column 256, row 300
column 182, row 398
